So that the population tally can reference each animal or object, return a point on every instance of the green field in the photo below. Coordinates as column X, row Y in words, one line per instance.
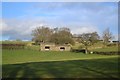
column 36, row 64
column 107, row 49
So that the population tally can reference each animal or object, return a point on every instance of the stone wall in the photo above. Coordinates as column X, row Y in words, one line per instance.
column 53, row 47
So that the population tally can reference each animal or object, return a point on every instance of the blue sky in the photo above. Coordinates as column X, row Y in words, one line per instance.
column 20, row 18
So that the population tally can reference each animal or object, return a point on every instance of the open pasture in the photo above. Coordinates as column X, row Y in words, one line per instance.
column 37, row 64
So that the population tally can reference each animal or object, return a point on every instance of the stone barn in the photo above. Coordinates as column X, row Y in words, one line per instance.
column 53, row 47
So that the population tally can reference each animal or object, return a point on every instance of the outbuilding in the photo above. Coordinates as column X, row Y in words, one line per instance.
column 54, row 47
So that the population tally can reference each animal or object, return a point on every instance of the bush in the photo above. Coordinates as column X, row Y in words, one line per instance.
column 78, row 50
column 107, row 53
column 13, row 46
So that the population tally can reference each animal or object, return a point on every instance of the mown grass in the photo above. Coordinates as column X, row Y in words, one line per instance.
column 33, row 47
column 94, row 68
column 36, row 64
column 24, row 56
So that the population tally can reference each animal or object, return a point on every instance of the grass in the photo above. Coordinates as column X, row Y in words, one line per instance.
column 35, row 64
column 107, row 49
column 33, row 47
column 24, row 56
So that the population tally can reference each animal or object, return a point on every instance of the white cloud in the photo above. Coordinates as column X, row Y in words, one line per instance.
column 18, row 29
column 4, row 26
column 71, row 15
column 22, row 29
column 84, row 29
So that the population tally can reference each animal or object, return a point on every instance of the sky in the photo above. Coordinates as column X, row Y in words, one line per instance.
column 20, row 18
column 60, row 0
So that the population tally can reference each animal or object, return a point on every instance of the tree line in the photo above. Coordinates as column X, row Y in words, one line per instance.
column 56, row 35
column 63, row 35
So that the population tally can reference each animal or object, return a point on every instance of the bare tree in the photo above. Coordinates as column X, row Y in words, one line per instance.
column 107, row 36
column 88, row 39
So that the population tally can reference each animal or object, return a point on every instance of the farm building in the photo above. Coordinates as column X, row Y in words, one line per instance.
column 53, row 47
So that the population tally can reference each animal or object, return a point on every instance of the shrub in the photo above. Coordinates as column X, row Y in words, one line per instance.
column 107, row 53
column 78, row 50
column 13, row 46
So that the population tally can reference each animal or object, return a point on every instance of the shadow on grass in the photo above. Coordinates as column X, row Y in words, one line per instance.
column 96, row 68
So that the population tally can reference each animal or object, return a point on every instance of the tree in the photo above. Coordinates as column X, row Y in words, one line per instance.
column 107, row 35
column 56, row 35
column 62, row 36
column 88, row 39
column 42, row 34
column 94, row 37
